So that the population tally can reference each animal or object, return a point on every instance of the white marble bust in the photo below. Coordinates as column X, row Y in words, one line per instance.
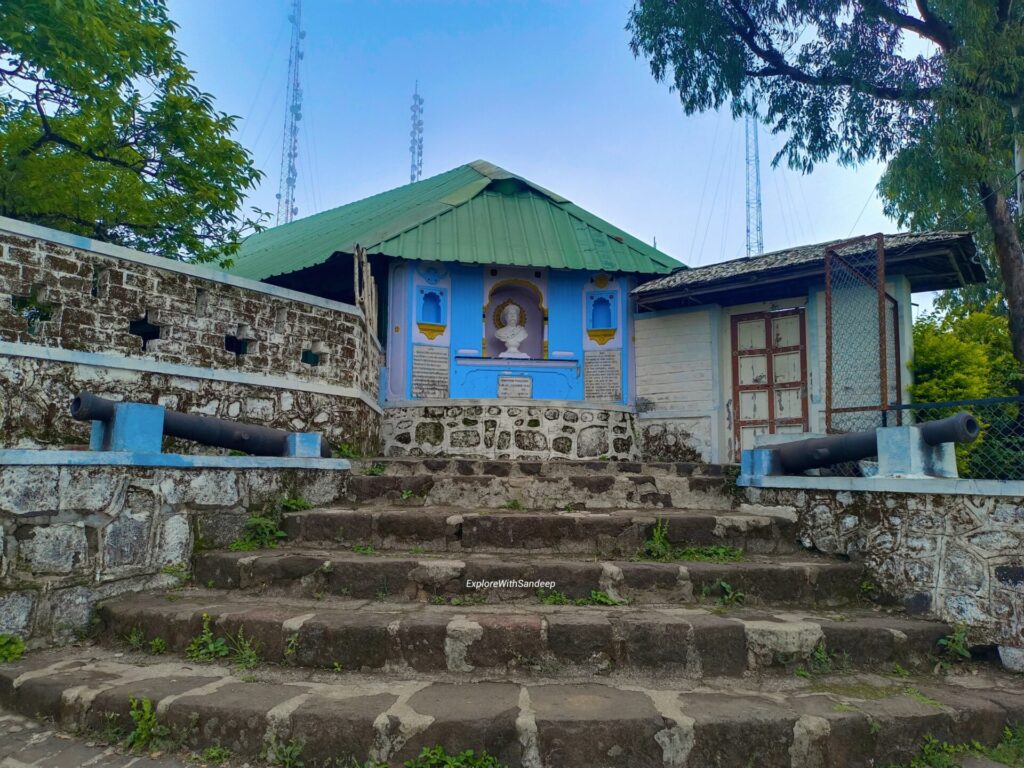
column 512, row 333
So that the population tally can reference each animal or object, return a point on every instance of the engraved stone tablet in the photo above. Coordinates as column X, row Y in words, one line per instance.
column 602, row 374
column 515, row 386
column 429, row 371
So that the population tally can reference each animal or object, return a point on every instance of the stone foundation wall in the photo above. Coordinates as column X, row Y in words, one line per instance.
column 502, row 431
column 960, row 558
column 35, row 395
column 70, row 536
column 675, row 439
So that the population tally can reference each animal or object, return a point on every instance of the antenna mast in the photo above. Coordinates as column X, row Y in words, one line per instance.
column 286, row 206
column 416, row 136
column 755, row 232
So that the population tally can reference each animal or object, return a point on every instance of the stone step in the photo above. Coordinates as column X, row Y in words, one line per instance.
column 360, row 635
column 780, row 580
column 570, row 492
column 531, row 468
column 614, row 533
column 853, row 720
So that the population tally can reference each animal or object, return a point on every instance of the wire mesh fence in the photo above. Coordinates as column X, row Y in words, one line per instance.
column 997, row 454
column 862, row 339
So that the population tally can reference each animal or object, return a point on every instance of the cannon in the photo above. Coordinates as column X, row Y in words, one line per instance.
column 818, row 452
column 206, row 430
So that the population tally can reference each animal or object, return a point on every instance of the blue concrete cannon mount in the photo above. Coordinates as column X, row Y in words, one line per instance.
column 140, row 427
column 921, row 450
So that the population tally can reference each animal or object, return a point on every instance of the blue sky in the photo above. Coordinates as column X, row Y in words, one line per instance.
column 548, row 90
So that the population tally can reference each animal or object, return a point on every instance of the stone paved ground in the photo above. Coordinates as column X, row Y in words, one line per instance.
column 25, row 742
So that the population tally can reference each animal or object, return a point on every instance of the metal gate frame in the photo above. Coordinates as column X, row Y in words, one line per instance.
column 832, row 258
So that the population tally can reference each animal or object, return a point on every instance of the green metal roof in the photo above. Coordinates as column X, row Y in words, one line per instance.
column 474, row 214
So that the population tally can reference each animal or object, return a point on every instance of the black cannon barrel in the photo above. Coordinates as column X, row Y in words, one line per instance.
column 818, row 452
column 959, row 428
column 207, row 430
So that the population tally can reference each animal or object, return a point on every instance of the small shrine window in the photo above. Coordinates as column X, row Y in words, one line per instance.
column 601, row 315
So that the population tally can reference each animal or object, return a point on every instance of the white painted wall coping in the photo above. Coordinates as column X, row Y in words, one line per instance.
column 935, row 485
column 121, row 362
column 584, row 405
column 36, row 232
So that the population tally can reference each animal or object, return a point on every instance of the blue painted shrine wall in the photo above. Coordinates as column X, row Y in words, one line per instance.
column 445, row 315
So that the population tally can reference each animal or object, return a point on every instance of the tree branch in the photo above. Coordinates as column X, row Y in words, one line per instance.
column 776, row 65
column 928, row 26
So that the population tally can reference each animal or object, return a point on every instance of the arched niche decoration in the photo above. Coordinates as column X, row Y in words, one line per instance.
column 530, row 300
column 601, row 315
column 431, row 310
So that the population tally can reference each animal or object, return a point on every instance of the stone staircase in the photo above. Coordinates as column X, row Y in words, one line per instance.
column 376, row 639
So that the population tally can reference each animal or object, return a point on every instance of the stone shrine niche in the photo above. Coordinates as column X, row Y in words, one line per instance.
column 515, row 302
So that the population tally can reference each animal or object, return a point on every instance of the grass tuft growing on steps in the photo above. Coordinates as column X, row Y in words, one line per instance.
column 659, row 549
column 935, row 754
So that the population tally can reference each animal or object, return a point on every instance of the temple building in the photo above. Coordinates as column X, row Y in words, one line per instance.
column 492, row 289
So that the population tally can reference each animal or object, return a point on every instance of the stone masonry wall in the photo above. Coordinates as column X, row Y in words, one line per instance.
column 53, row 295
column 35, row 395
column 960, row 558
column 499, row 431
column 92, row 298
column 70, row 536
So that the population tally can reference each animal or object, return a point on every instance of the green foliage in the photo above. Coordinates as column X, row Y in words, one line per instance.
column 968, row 355
column 216, row 755
column 437, row 757
column 376, row 470
column 596, row 597
column 822, row 662
column 554, row 597
column 955, row 646
column 660, row 549
column 179, row 571
column 515, row 505
column 97, row 95
column 295, row 504
column 291, row 647
column 245, row 651
column 935, row 754
column 284, row 754
column 157, row 646
column 363, row 549
column 347, row 451
column 260, row 533
column 900, row 671
column 135, row 639
column 1011, row 749
column 727, row 596
column 204, row 647
column 12, row 648
column 407, row 494
column 147, row 733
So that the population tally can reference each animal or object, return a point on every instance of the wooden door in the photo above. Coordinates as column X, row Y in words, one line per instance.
column 769, row 375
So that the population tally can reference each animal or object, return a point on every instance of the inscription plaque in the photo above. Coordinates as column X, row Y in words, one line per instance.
column 515, row 386
column 429, row 371
column 602, row 374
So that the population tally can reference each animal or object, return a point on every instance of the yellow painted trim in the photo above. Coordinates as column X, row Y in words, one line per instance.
column 431, row 330
column 601, row 335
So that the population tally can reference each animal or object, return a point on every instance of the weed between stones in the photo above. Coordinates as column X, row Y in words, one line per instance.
column 597, row 597
column 823, row 662
column 12, row 648
column 936, row 754
column 659, row 549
